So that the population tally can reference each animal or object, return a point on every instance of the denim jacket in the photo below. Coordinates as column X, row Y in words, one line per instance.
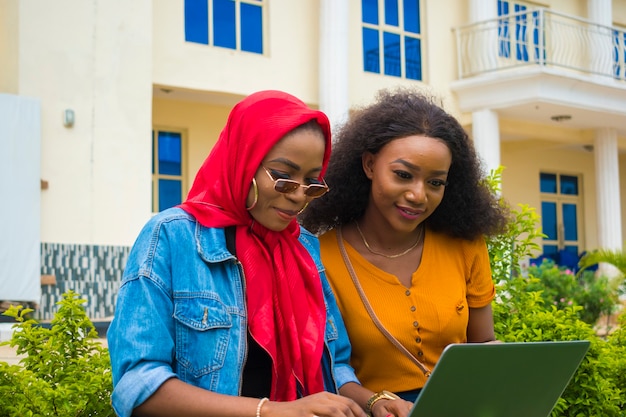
column 181, row 313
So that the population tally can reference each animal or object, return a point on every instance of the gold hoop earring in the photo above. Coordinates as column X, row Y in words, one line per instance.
column 302, row 209
column 256, row 195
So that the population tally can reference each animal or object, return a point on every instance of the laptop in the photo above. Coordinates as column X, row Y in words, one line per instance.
column 521, row 379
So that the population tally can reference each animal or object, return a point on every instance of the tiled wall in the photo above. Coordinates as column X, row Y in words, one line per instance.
column 94, row 272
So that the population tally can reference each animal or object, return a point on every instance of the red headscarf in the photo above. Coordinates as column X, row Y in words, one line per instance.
column 285, row 303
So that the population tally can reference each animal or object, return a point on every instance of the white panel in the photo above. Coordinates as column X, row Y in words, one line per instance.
column 486, row 136
column 333, row 60
column 607, row 186
column 20, row 199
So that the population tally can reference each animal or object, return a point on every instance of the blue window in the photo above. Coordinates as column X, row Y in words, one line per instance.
column 369, row 9
column 521, row 27
column 391, row 13
column 547, row 183
column 551, row 251
column 225, row 31
column 619, row 54
column 570, row 227
column 394, row 47
column 538, row 40
column 197, row 21
column 170, row 153
column 548, row 220
column 167, row 169
column 170, row 192
column 561, row 200
column 233, row 24
column 569, row 184
column 251, row 28
column 413, row 48
column 504, row 41
column 392, row 54
column 371, row 50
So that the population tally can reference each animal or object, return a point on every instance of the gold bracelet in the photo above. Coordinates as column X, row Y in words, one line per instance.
column 382, row 395
column 259, row 405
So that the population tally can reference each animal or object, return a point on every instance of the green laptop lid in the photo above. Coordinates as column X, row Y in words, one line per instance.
column 499, row 379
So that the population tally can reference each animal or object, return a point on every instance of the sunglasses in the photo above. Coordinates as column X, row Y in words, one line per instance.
column 285, row 186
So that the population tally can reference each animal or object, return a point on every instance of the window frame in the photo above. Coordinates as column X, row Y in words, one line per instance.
column 619, row 52
column 513, row 29
column 382, row 28
column 262, row 4
column 560, row 200
column 155, row 176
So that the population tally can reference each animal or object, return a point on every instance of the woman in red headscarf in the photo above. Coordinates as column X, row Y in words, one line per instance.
column 224, row 309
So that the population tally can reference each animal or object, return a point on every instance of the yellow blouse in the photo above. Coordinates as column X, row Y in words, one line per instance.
column 454, row 274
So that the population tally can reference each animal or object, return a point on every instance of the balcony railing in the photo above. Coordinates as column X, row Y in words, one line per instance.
column 541, row 37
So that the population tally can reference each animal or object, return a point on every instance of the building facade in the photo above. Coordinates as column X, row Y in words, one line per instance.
column 109, row 107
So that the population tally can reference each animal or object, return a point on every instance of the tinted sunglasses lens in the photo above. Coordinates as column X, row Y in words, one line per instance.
column 286, row 186
column 316, row 190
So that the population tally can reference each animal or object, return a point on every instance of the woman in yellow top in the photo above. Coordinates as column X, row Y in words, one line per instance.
column 402, row 234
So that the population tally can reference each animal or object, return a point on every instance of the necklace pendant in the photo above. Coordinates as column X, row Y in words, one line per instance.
column 397, row 255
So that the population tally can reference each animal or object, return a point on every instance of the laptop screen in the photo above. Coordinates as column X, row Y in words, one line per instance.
column 521, row 379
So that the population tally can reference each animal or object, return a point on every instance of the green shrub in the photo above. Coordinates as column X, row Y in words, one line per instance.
column 64, row 370
column 507, row 250
column 522, row 315
column 612, row 257
column 524, row 311
column 617, row 342
column 561, row 287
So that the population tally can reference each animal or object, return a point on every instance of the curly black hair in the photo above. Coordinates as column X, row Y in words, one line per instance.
column 468, row 208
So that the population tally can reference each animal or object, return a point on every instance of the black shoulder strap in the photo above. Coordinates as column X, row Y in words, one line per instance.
column 230, row 239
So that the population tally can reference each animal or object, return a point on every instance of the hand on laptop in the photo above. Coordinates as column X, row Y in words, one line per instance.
column 391, row 408
column 321, row 404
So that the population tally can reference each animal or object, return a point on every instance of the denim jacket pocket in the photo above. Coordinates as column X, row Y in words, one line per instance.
column 203, row 327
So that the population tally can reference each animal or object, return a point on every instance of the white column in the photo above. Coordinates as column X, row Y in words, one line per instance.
column 601, row 50
column 486, row 136
column 600, row 11
column 485, row 125
column 483, row 41
column 607, row 189
column 333, row 60
column 20, row 188
column 482, row 10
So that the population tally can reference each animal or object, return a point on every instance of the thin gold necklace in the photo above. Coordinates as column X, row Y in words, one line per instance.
column 397, row 255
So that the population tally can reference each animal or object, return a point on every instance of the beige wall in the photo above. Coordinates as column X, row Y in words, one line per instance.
column 571, row 7
column 290, row 61
column 202, row 124
column 556, row 149
column 102, row 58
column 93, row 57
column 622, row 185
column 9, row 29
column 523, row 155
column 527, row 149
column 524, row 160
column 619, row 12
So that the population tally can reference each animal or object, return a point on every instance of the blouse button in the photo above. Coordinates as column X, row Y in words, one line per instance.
column 408, row 292
column 415, row 324
column 420, row 353
column 418, row 340
column 412, row 308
